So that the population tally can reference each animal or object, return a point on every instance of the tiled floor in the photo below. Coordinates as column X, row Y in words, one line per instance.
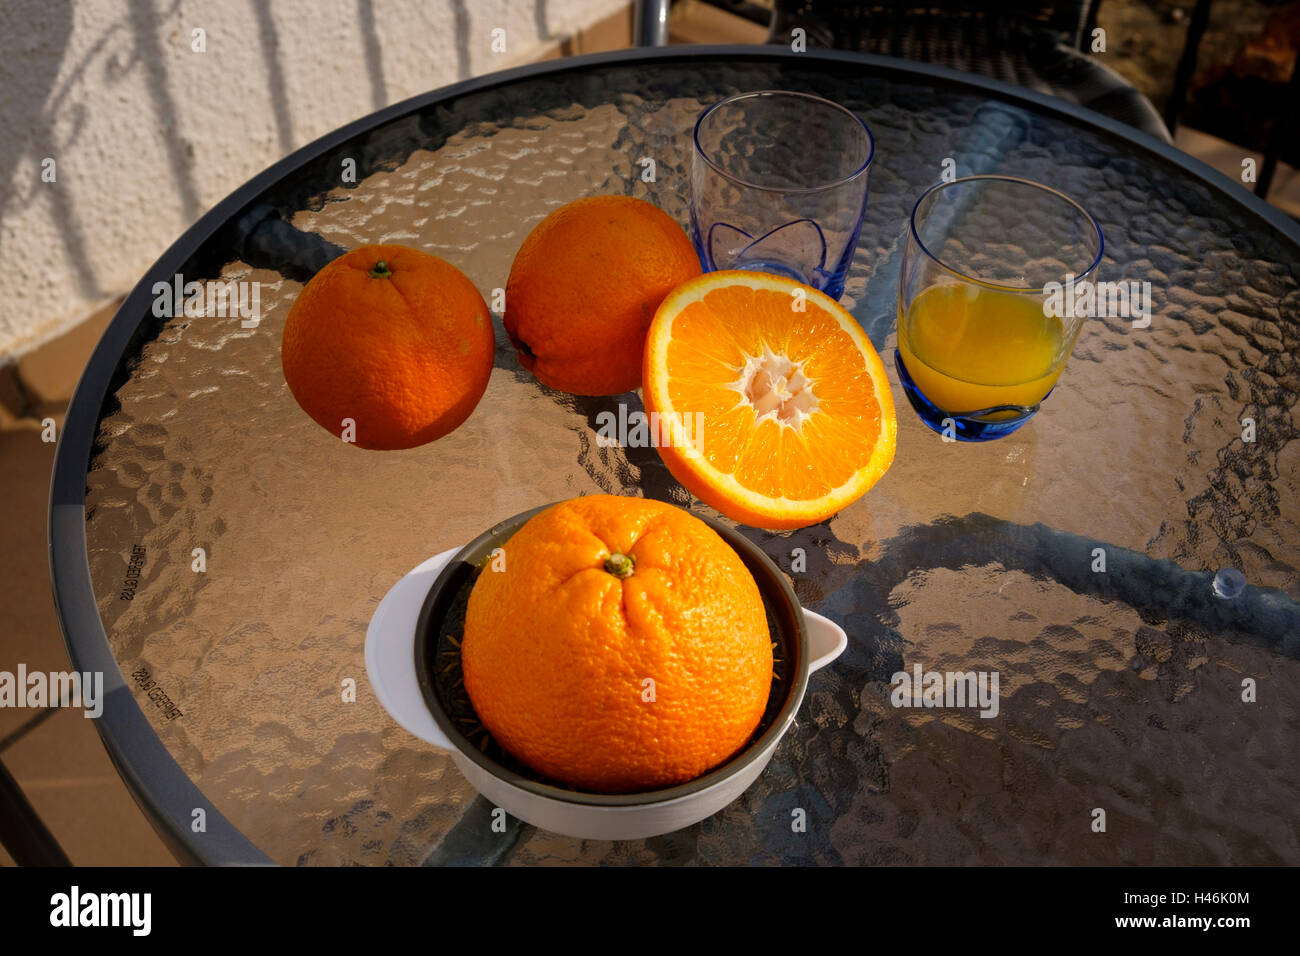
column 1284, row 193
column 60, row 762
column 57, row 758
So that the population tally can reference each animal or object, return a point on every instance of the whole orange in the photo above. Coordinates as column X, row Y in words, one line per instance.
column 585, row 285
column 623, row 648
column 393, row 339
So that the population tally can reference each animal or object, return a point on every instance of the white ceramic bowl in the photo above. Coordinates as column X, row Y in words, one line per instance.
column 397, row 649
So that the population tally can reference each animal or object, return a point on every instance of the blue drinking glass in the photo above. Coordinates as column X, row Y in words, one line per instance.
column 981, row 341
column 779, row 184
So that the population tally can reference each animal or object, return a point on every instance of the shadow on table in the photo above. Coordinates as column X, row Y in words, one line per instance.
column 1158, row 590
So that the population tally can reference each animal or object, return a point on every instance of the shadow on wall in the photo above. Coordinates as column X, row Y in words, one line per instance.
column 31, row 115
column 374, row 53
column 45, row 101
column 460, row 17
column 51, row 99
column 148, row 53
column 269, row 38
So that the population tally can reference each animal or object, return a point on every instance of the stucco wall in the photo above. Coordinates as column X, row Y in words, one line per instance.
column 146, row 133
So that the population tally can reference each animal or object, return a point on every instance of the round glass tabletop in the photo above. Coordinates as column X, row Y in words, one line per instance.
column 219, row 555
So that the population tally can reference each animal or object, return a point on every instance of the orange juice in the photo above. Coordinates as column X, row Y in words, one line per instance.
column 969, row 347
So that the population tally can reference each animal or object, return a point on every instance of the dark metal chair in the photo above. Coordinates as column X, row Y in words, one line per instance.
column 650, row 22
column 22, row 833
column 1039, row 45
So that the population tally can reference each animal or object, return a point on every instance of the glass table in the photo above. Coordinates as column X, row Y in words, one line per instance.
column 219, row 556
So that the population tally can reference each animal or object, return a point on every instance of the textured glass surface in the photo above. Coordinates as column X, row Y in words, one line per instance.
column 1120, row 690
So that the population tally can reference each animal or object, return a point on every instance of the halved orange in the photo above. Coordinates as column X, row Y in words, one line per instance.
column 772, row 405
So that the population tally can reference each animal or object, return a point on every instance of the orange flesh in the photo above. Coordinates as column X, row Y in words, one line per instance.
column 708, row 355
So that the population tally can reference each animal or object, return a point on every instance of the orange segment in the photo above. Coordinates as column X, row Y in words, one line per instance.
column 798, row 417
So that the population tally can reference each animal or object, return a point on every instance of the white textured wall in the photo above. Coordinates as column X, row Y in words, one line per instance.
column 147, row 134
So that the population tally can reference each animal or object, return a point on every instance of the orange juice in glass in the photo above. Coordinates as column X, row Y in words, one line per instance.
column 979, row 343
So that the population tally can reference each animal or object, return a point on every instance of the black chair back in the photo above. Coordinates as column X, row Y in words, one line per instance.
column 944, row 32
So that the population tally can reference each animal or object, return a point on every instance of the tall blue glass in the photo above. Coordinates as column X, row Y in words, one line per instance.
column 779, row 184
